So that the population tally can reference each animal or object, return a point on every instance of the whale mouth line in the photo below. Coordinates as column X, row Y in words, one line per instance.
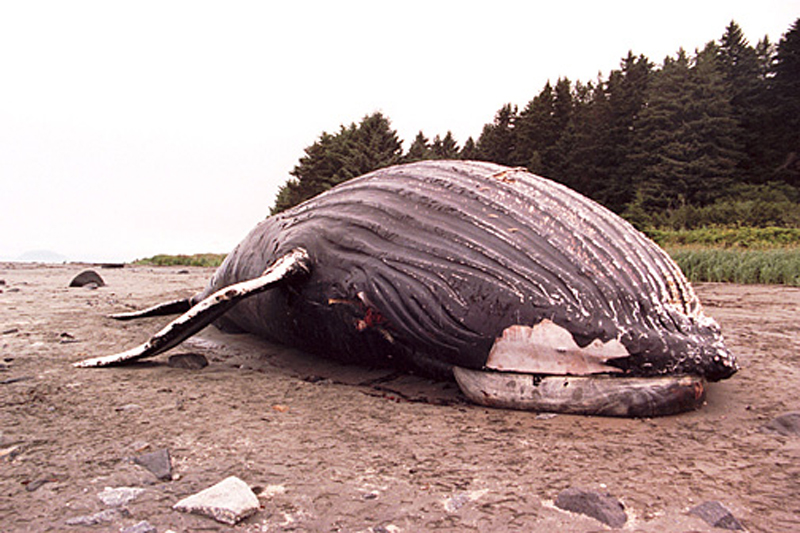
column 599, row 395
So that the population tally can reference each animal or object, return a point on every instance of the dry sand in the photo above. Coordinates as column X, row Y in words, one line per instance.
column 334, row 448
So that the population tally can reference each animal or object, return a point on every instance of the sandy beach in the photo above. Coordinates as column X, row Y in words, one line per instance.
column 328, row 447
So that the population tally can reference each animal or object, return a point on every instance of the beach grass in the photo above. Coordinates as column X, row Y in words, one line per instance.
column 199, row 260
column 780, row 266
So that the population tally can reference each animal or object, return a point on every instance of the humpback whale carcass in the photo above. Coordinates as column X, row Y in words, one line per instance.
column 532, row 295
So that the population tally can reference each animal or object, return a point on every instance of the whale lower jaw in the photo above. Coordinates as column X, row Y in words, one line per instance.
column 599, row 395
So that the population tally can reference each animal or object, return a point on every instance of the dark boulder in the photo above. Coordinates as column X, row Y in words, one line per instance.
column 602, row 507
column 717, row 515
column 87, row 278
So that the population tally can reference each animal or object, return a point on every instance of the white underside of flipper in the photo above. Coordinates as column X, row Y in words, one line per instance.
column 286, row 268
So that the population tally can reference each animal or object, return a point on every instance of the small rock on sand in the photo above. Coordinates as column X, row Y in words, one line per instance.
column 229, row 501
column 602, row 507
column 717, row 515
column 140, row 527
column 787, row 424
column 189, row 361
column 117, row 497
column 102, row 517
column 157, row 462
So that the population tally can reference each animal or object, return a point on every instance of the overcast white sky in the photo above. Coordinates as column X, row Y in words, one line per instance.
column 129, row 129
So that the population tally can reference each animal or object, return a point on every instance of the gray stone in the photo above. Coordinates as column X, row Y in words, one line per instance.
column 717, row 515
column 190, row 361
column 602, row 507
column 87, row 278
column 157, row 462
column 141, row 527
column 787, row 424
column 117, row 497
column 102, row 517
column 229, row 501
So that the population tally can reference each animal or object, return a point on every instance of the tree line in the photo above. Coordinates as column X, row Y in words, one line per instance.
column 706, row 138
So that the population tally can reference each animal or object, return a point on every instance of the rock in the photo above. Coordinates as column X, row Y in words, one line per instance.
column 92, row 520
column 141, row 527
column 602, row 507
column 128, row 407
column 229, row 501
column 86, row 278
column 157, row 462
column 36, row 483
column 67, row 338
column 190, row 361
column 717, row 515
column 787, row 424
column 460, row 499
column 119, row 496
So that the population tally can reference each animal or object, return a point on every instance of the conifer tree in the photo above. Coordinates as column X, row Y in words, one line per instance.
column 497, row 142
column 469, row 151
column 333, row 159
column 786, row 98
column 747, row 82
column 686, row 138
column 419, row 150
column 445, row 148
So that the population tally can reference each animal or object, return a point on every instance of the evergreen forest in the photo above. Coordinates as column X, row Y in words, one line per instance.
column 704, row 139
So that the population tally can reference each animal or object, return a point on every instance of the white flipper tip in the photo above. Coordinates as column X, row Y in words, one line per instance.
column 108, row 360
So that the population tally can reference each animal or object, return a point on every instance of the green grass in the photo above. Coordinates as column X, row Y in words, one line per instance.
column 201, row 260
column 776, row 266
column 736, row 254
column 714, row 237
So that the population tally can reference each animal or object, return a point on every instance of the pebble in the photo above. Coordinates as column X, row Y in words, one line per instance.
column 128, row 407
column 189, row 361
column 117, row 497
column 157, row 462
column 459, row 500
column 717, row 515
column 787, row 424
column 229, row 501
column 602, row 507
column 142, row 527
column 107, row 515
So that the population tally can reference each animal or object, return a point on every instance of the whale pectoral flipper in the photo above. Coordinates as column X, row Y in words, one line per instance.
column 173, row 307
column 288, row 268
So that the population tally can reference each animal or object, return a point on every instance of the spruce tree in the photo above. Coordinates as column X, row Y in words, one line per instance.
column 786, row 98
column 445, row 148
column 497, row 142
column 333, row 159
column 469, row 151
column 419, row 150
column 746, row 82
column 686, row 147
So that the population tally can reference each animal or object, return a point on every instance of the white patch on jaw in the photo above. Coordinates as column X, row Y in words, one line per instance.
column 547, row 348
